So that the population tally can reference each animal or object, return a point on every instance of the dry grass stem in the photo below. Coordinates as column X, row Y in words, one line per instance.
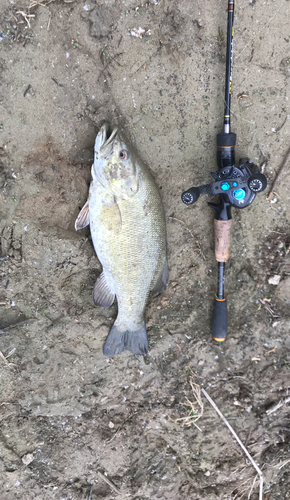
column 269, row 309
column 35, row 3
column 252, row 487
column 281, row 465
column 284, row 162
column 242, row 492
column 11, row 352
column 122, row 425
column 239, row 441
column 10, row 365
column 279, row 405
column 91, row 492
column 196, row 242
column 195, row 408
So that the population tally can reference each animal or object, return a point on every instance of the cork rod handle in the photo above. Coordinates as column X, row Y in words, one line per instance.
column 222, row 230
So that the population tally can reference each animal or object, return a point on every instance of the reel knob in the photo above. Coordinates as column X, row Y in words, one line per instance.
column 190, row 196
column 257, row 183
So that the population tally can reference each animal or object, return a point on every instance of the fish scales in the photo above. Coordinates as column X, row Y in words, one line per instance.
column 128, row 230
column 130, row 256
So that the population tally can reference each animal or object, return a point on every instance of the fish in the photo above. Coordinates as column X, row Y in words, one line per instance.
column 128, row 229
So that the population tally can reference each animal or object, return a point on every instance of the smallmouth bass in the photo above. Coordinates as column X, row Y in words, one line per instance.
column 127, row 224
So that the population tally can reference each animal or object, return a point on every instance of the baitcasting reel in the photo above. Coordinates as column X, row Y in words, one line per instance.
column 239, row 186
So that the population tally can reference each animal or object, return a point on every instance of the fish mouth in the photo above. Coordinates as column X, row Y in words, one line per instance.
column 104, row 140
column 110, row 135
column 105, row 136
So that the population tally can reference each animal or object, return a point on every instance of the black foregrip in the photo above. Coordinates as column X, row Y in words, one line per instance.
column 226, row 150
column 226, row 140
column 219, row 322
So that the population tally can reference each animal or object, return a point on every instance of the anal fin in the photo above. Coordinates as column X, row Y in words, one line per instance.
column 83, row 218
column 102, row 294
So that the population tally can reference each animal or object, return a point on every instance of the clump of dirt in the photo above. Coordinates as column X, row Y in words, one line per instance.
column 77, row 425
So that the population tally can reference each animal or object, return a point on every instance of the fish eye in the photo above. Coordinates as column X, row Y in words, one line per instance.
column 123, row 154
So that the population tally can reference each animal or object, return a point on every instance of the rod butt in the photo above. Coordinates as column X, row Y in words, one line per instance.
column 219, row 322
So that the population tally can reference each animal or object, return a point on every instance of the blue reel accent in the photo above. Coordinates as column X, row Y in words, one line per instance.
column 225, row 186
column 239, row 194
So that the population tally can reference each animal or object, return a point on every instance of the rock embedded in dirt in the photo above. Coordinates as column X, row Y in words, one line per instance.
column 274, row 280
column 27, row 459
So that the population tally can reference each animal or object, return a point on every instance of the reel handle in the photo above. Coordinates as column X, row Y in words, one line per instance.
column 190, row 196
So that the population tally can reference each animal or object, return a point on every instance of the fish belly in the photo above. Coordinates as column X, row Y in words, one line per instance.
column 130, row 242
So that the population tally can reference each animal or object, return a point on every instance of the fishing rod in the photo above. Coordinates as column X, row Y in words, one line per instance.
column 237, row 187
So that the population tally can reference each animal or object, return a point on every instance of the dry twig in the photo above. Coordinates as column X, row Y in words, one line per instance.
column 26, row 16
column 271, row 350
column 109, row 482
column 14, row 325
column 34, row 3
column 239, row 441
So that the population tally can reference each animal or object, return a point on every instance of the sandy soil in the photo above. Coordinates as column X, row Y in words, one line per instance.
column 68, row 413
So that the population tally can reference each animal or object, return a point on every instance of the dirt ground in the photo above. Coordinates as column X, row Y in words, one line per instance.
column 71, row 417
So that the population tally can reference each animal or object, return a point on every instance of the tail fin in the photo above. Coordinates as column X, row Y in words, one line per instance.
column 134, row 341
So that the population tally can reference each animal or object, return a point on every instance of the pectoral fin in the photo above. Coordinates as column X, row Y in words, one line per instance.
column 83, row 218
column 162, row 280
column 102, row 293
column 110, row 215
